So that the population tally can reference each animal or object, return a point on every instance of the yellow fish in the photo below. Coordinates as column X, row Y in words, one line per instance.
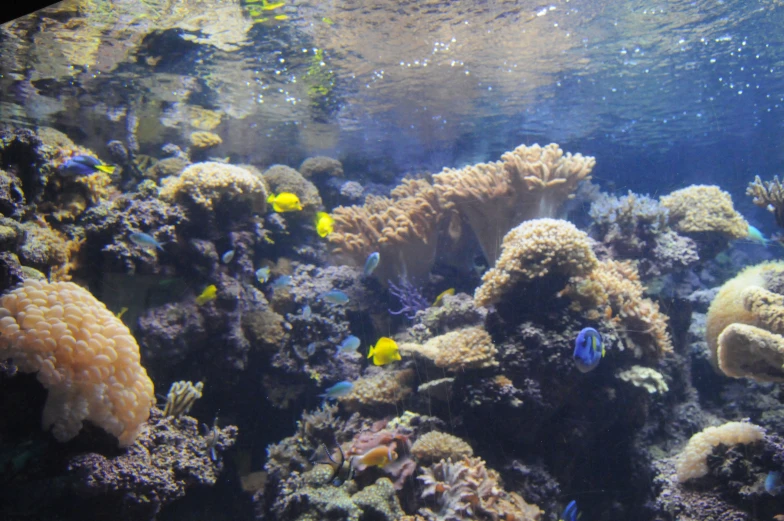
column 122, row 312
column 285, row 202
column 324, row 224
column 282, row 17
column 384, row 352
column 440, row 298
column 208, row 294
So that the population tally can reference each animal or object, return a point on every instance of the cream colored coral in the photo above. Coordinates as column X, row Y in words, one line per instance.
column 83, row 354
column 705, row 208
column 380, row 389
column 768, row 195
column 456, row 351
column 746, row 351
column 646, row 378
column 692, row 461
column 210, row 184
column 205, row 139
column 435, row 446
column 532, row 250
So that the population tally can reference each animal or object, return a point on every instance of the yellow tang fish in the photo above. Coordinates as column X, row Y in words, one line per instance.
column 285, row 202
column 208, row 294
column 440, row 298
column 384, row 352
column 122, row 311
column 324, row 224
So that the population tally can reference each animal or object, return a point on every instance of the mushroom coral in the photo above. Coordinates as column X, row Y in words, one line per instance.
column 529, row 182
column 402, row 228
column 745, row 324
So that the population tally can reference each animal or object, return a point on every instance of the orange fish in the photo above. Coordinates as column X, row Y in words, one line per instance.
column 376, row 457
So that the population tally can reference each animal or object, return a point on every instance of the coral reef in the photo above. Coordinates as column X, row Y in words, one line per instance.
column 434, row 446
column 692, row 462
column 280, row 178
column 768, row 195
column 379, row 390
column 646, row 378
column 204, row 139
column 321, row 166
column 457, row 351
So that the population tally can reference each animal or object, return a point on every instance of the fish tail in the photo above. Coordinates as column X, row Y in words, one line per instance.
column 370, row 353
column 107, row 169
column 271, row 198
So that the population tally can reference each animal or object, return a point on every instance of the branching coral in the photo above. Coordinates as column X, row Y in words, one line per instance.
column 456, row 351
column 528, row 183
column 768, row 195
column 82, row 353
column 533, row 250
column 403, row 228
column 705, row 208
column 692, row 462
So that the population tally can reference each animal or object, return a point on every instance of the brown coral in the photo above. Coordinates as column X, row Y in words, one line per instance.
column 529, row 182
column 204, row 139
column 403, row 228
column 533, row 250
column 435, row 446
column 768, row 195
column 705, row 208
column 456, row 351
column 321, row 165
column 381, row 389
column 280, row 178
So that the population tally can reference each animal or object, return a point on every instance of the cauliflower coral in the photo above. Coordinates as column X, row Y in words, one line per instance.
column 82, row 353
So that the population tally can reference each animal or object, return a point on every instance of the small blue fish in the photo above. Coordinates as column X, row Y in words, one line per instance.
column 588, row 350
column 281, row 282
column 84, row 165
column 145, row 240
column 570, row 513
column 263, row 274
column 227, row 257
column 773, row 482
column 306, row 312
column 372, row 263
column 756, row 236
column 335, row 296
column 349, row 345
column 337, row 390
column 311, row 349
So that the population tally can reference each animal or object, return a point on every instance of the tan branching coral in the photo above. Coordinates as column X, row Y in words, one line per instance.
column 533, row 250
column 435, row 446
column 281, row 178
column 528, row 183
column 182, row 395
column 82, row 353
column 210, row 185
column 204, row 139
column 692, row 462
column 456, row 351
column 380, row 389
column 403, row 228
column 614, row 290
column 768, row 195
column 705, row 208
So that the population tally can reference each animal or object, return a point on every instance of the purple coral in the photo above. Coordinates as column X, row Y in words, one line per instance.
column 410, row 298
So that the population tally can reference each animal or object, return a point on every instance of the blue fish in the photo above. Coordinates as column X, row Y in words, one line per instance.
column 281, row 282
column 84, row 165
column 349, row 345
column 227, row 257
column 337, row 390
column 570, row 513
column 588, row 350
column 311, row 349
column 372, row 263
column 335, row 297
column 773, row 482
column 306, row 312
column 145, row 240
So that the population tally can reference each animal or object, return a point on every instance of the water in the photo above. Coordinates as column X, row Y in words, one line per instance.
column 664, row 95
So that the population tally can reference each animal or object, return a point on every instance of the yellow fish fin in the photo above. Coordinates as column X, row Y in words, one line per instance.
column 372, row 350
column 107, row 169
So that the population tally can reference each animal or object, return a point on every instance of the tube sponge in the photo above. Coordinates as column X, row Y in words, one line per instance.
column 83, row 354
column 692, row 462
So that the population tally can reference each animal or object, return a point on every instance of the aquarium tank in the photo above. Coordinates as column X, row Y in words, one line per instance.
column 374, row 260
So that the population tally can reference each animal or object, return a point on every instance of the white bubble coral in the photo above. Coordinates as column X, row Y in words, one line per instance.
column 692, row 462
column 83, row 354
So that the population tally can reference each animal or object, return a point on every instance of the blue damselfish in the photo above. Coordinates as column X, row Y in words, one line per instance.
column 570, row 513
column 588, row 350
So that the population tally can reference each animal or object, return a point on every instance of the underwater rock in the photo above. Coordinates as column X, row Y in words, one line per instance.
column 24, row 155
column 12, row 198
column 11, row 272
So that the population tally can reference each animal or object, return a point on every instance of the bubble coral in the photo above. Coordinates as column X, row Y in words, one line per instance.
column 532, row 250
column 456, row 351
column 692, row 462
column 210, row 185
column 434, row 446
column 83, row 354
column 704, row 208
column 745, row 324
column 528, row 183
column 403, row 228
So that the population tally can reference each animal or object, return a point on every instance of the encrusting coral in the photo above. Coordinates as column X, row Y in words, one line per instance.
column 83, row 354
column 529, row 182
column 702, row 209
column 378, row 390
column 434, row 446
column 204, row 139
column 768, row 195
column 456, row 351
column 321, row 165
column 533, row 250
column 692, row 462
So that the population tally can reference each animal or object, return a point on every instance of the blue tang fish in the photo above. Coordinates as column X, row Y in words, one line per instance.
column 372, row 263
column 145, row 240
column 281, row 282
column 335, row 297
column 773, row 482
column 84, row 165
column 588, row 350
column 570, row 513
column 338, row 390
column 227, row 257
column 349, row 345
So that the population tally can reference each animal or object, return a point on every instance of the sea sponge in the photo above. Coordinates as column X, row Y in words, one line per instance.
column 768, row 195
column 204, row 139
column 705, row 208
column 83, row 354
column 529, row 182
column 435, row 446
column 280, row 178
column 381, row 389
column 456, row 351
column 533, row 250
column 403, row 228
column 692, row 462
column 209, row 185
column 321, row 165
column 754, row 299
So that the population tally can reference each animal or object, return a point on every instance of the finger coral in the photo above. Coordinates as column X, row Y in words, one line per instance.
column 768, row 195
column 403, row 228
column 434, row 446
column 702, row 209
column 456, row 351
column 533, row 250
column 692, row 462
column 83, row 354
column 210, row 185
column 529, row 182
